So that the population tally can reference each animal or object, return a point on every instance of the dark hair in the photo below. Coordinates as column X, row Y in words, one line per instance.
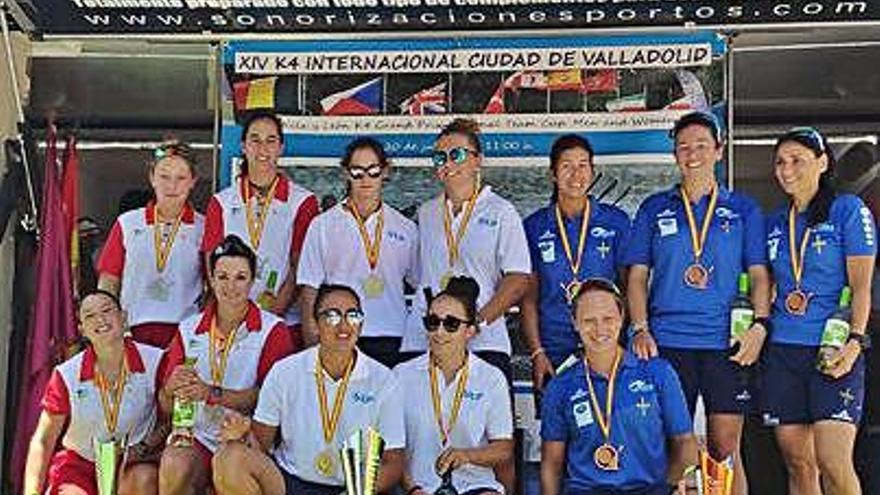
column 360, row 143
column 702, row 119
column 820, row 205
column 563, row 144
column 466, row 127
column 233, row 247
column 465, row 290
column 100, row 292
column 598, row 284
column 326, row 289
column 246, row 127
column 174, row 147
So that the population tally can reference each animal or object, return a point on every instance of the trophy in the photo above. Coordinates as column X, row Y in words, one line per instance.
column 361, row 457
column 446, row 486
column 716, row 476
column 110, row 458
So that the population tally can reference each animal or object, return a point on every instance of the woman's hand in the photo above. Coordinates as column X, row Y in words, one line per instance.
column 843, row 359
column 451, row 459
column 643, row 345
column 750, row 344
column 235, row 427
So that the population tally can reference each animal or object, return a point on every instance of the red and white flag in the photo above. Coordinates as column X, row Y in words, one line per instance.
column 426, row 102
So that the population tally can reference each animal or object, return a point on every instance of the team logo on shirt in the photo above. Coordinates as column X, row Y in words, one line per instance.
column 723, row 212
column 867, row 225
column 548, row 251
column 583, row 416
column 843, row 415
column 363, row 397
column 772, row 248
column 488, row 222
column 80, row 394
column 473, row 395
column 602, row 233
column 640, row 387
column 667, row 226
column 395, row 236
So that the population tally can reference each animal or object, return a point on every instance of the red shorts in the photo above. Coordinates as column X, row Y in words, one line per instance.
column 69, row 468
column 154, row 334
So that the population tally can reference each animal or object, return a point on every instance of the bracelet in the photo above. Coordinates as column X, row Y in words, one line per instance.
column 637, row 328
column 537, row 352
column 764, row 322
column 413, row 489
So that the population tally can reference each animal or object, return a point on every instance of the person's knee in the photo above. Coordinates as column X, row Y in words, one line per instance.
column 179, row 465
column 229, row 463
column 834, row 465
column 724, row 438
column 140, row 478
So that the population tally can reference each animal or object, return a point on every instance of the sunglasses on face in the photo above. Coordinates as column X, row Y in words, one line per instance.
column 450, row 323
column 373, row 171
column 811, row 135
column 456, row 155
column 334, row 317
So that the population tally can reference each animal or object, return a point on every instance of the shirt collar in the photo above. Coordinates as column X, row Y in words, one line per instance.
column 629, row 360
column 188, row 214
column 675, row 192
column 360, row 366
column 282, row 190
column 253, row 319
column 133, row 361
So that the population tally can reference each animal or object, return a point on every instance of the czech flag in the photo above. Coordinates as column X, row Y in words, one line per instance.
column 365, row 99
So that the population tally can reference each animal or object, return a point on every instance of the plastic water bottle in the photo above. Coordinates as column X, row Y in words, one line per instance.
column 266, row 299
column 836, row 330
column 183, row 416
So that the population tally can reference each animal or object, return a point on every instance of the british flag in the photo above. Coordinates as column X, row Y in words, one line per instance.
column 427, row 101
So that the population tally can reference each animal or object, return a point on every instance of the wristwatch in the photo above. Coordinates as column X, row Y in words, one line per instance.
column 215, row 396
column 637, row 328
column 861, row 338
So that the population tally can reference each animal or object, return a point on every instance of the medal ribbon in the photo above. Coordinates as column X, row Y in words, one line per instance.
column 255, row 227
column 111, row 407
column 604, row 420
column 698, row 243
column 329, row 422
column 445, row 431
column 797, row 262
column 163, row 249
column 582, row 238
column 453, row 239
column 371, row 248
column 218, row 366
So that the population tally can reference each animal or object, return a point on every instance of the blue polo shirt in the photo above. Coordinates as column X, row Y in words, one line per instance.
column 648, row 408
column 607, row 234
column 681, row 316
column 849, row 231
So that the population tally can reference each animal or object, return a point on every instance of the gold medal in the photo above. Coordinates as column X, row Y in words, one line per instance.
column 374, row 286
column 453, row 239
column 325, row 464
column 796, row 302
column 571, row 289
column 696, row 275
column 446, row 429
column 606, row 457
column 445, row 278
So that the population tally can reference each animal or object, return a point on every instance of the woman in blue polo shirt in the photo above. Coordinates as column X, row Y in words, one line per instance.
column 692, row 242
column 571, row 239
column 817, row 244
column 608, row 420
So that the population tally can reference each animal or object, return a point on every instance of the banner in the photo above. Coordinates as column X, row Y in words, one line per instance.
column 373, row 16
column 624, row 92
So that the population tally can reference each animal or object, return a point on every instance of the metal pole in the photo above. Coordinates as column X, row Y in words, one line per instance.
column 29, row 221
column 217, row 74
column 728, row 92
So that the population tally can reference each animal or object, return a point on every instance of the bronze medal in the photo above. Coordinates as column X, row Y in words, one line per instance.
column 572, row 288
column 696, row 276
column 796, row 302
column 606, row 457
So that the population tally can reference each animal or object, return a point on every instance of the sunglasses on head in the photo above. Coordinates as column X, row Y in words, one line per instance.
column 456, row 155
column 173, row 148
column 811, row 135
column 373, row 171
column 450, row 323
column 334, row 317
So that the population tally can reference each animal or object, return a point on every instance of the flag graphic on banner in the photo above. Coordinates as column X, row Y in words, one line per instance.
column 601, row 81
column 364, row 99
column 255, row 93
column 694, row 97
column 426, row 102
column 631, row 103
column 564, row 80
column 496, row 102
column 526, row 80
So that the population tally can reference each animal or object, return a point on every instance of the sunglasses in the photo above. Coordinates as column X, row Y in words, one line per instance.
column 811, row 135
column 373, row 171
column 173, row 148
column 456, row 155
column 333, row 317
column 450, row 323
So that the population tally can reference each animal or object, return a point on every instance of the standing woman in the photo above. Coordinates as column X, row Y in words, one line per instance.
column 103, row 393
column 692, row 242
column 817, row 244
column 471, row 428
column 265, row 208
column 365, row 244
column 574, row 238
column 234, row 344
column 151, row 257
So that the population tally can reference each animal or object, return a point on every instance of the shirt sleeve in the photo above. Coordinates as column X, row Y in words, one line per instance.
column 513, row 251
column 532, row 241
column 676, row 417
column 859, row 231
column 270, row 401
column 414, row 268
column 639, row 250
column 755, row 252
column 553, row 427
column 112, row 258
column 278, row 346
column 390, row 422
column 306, row 212
column 56, row 399
column 213, row 234
column 499, row 419
column 310, row 270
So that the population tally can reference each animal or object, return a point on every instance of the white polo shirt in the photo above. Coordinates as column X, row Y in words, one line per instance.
column 260, row 341
column 493, row 245
column 147, row 294
column 334, row 253
column 484, row 415
column 289, row 401
column 290, row 213
column 72, row 392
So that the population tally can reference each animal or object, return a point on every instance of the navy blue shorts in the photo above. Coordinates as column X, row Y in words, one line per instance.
column 295, row 485
column 723, row 384
column 795, row 392
column 650, row 490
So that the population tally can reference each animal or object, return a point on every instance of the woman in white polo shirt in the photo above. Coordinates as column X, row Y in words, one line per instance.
column 470, row 230
column 100, row 394
column 151, row 257
column 311, row 402
column 367, row 245
column 234, row 344
column 458, row 416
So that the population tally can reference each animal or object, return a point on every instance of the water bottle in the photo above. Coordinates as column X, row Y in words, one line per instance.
column 742, row 314
column 836, row 330
column 266, row 299
column 446, row 486
column 183, row 416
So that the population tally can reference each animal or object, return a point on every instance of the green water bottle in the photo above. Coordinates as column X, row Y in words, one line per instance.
column 266, row 299
column 183, row 415
column 836, row 330
column 742, row 314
